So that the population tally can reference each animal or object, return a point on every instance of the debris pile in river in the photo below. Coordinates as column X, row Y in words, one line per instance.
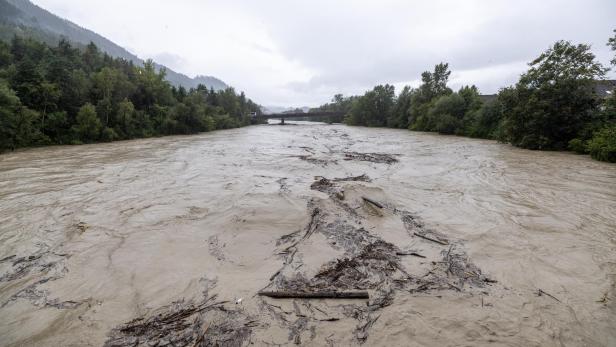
column 207, row 323
column 43, row 261
column 367, row 269
column 44, row 264
column 360, row 178
column 382, row 158
column 317, row 161
column 453, row 271
column 366, row 266
column 325, row 185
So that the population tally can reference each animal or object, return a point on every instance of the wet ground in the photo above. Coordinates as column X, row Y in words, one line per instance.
column 178, row 241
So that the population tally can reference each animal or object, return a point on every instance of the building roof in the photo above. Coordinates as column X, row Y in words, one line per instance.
column 605, row 88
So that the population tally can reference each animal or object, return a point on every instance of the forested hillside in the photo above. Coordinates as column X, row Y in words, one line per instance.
column 66, row 95
column 23, row 18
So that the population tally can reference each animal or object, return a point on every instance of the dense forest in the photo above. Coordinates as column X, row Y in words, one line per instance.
column 553, row 106
column 67, row 95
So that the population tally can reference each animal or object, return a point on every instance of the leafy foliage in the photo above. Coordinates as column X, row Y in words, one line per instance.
column 434, row 85
column 553, row 100
column 373, row 108
column 87, row 125
column 611, row 42
column 400, row 115
column 603, row 144
column 62, row 95
column 17, row 123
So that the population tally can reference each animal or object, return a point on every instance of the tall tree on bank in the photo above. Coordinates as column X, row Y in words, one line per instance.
column 602, row 145
column 17, row 122
column 611, row 42
column 434, row 85
column 374, row 108
column 400, row 115
column 554, row 99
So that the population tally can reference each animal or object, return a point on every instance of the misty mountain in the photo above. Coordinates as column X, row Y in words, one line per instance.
column 282, row 109
column 23, row 18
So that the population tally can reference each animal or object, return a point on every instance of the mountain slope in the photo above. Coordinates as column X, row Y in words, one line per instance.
column 24, row 18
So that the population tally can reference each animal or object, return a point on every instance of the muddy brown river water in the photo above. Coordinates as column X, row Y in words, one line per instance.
column 168, row 241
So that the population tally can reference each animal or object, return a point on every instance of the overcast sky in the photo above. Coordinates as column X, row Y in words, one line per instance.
column 293, row 53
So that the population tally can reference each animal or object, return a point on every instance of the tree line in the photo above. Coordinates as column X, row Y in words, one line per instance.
column 553, row 106
column 67, row 95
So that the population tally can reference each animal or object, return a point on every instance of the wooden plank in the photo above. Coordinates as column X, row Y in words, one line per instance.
column 316, row 295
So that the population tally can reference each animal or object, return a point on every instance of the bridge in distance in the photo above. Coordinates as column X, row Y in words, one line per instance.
column 334, row 117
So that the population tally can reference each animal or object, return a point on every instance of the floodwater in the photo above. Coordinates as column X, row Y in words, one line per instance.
column 94, row 236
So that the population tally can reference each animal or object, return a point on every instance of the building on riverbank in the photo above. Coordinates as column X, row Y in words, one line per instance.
column 603, row 88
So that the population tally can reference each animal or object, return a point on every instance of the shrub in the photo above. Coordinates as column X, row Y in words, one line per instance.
column 578, row 146
column 108, row 134
column 603, row 144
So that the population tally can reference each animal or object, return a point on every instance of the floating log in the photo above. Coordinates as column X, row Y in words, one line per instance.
column 411, row 253
column 542, row 292
column 375, row 203
column 316, row 295
column 431, row 239
column 274, row 275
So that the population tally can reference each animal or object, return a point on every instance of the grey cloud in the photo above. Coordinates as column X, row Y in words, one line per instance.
column 300, row 52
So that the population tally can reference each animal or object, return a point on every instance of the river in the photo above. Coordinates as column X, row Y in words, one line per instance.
column 94, row 236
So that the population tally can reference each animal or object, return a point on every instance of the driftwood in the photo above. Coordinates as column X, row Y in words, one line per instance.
column 375, row 203
column 431, row 239
column 411, row 253
column 542, row 292
column 371, row 157
column 274, row 275
column 316, row 295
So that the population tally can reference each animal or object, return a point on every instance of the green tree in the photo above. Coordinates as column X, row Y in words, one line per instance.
column 485, row 122
column 57, row 127
column 126, row 112
column 472, row 105
column 88, row 126
column 229, row 102
column 611, row 42
column 49, row 94
column 5, row 55
column 9, row 109
column 603, row 144
column 151, row 87
column 400, row 114
column 447, row 113
column 374, row 107
column 92, row 58
column 434, row 85
column 17, row 127
column 554, row 99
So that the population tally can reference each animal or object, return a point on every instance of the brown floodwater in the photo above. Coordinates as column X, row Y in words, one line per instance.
column 94, row 236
